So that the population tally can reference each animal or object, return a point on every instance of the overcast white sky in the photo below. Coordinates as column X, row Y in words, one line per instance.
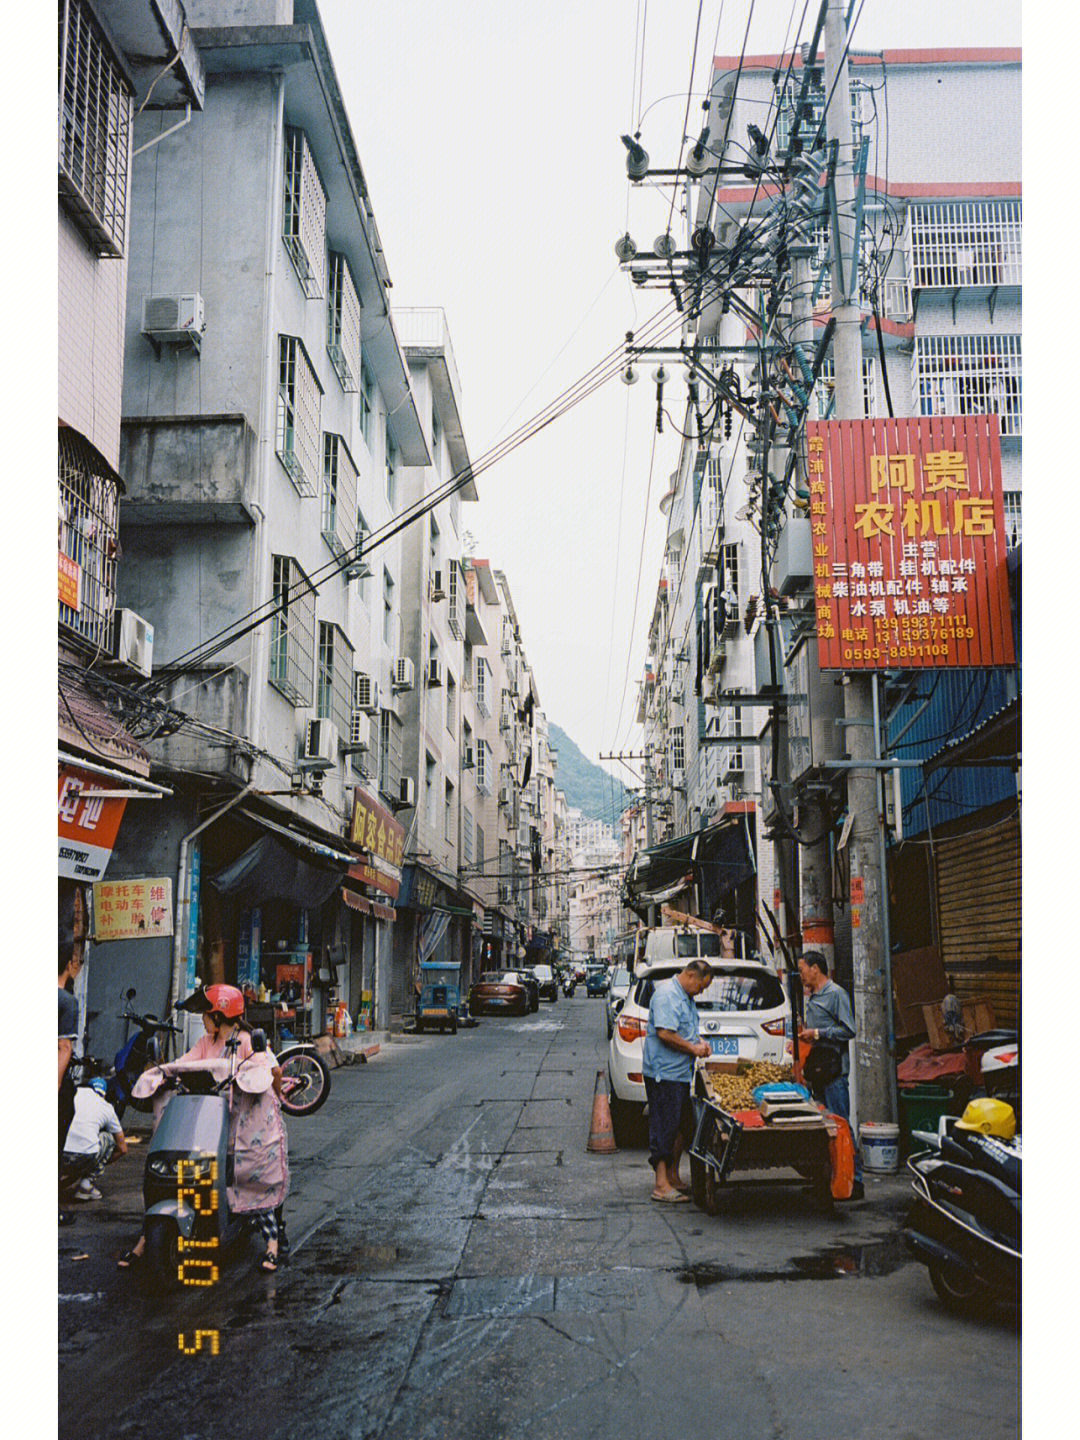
column 489, row 135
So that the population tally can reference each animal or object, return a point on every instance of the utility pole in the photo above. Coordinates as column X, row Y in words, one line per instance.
column 874, row 1068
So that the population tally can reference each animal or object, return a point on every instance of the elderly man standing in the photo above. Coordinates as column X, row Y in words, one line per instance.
column 830, row 1021
column 671, row 1044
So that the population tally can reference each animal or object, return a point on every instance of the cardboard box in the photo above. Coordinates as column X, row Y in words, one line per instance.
column 978, row 1016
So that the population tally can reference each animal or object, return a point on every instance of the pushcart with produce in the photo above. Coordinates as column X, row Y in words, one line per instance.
column 752, row 1116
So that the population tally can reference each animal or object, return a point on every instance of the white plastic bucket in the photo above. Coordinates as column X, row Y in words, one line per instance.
column 880, row 1146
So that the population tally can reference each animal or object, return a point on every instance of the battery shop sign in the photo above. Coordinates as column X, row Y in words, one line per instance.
column 908, row 530
column 87, row 824
column 374, row 829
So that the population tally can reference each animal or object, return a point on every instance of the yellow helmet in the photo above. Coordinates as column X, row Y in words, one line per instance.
column 989, row 1117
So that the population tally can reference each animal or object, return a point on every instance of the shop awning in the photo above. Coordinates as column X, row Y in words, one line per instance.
column 718, row 859
column 995, row 741
column 283, row 864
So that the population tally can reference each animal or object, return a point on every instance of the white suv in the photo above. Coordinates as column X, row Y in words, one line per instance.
column 745, row 1015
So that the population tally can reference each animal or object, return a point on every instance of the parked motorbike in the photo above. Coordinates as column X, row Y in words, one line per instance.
column 305, row 1078
column 569, row 984
column 965, row 1223
column 139, row 1050
column 188, row 1225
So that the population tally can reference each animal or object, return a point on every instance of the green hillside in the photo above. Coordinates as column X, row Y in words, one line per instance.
column 587, row 787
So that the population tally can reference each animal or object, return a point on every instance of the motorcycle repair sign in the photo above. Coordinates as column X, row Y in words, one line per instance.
column 132, row 909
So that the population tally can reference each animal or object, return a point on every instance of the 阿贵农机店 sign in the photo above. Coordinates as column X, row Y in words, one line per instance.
column 908, row 534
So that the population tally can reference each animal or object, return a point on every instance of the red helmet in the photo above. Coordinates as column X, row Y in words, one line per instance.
column 226, row 999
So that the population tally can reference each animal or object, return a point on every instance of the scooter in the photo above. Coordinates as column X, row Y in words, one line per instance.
column 568, row 985
column 965, row 1223
column 139, row 1050
column 188, row 1225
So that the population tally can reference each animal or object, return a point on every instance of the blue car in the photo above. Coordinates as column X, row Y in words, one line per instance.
column 596, row 980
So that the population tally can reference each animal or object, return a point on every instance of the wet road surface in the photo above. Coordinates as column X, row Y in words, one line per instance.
column 461, row 1267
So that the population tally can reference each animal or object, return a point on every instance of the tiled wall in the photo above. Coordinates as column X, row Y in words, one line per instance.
column 91, row 340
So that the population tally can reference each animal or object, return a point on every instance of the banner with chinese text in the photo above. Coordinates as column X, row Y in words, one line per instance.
column 375, row 829
column 87, row 823
column 132, row 909
column 908, row 530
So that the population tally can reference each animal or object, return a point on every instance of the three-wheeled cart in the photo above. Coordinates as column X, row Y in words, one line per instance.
column 727, row 1143
column 440, row 997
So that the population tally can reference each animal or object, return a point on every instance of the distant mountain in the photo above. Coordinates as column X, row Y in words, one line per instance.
column 587, row 787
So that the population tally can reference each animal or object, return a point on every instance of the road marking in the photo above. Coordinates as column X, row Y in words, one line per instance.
column 89, row 1295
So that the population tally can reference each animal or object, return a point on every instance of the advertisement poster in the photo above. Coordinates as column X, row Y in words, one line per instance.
column 908, row 530
column 87, row 824
column 132, row 909
column 375, row 829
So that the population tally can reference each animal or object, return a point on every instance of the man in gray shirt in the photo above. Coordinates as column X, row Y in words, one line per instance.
column 829, row 1019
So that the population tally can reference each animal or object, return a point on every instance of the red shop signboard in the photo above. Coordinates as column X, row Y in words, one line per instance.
column 908, row 530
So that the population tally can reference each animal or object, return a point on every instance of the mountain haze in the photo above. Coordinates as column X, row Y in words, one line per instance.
column 587, row 787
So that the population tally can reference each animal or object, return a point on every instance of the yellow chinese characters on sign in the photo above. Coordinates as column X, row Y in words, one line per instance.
column 132, row 909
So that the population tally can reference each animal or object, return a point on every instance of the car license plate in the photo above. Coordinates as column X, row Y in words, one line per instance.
column 724, row 1044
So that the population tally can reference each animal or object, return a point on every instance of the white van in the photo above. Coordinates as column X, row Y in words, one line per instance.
column 667, row 944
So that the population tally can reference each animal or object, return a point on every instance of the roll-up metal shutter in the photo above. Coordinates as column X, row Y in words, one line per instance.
column 978, row 885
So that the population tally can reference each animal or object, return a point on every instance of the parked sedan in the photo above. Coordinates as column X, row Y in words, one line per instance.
column 499, row 992
column 618, row 990
column 546, row 980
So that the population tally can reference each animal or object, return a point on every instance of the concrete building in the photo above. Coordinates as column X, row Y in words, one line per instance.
column 939, row 290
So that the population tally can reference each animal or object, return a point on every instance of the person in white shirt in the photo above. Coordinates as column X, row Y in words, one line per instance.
column 93, row 1137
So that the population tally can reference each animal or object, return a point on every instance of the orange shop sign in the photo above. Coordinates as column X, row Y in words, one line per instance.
column 374, row 829
column 69, row 579
column 87, row 824
column 908, row 531
column 132, row 909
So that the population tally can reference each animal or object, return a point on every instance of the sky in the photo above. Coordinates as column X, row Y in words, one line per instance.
column 489, row 135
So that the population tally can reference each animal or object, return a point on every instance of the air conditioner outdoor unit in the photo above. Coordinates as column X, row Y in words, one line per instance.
column 469, row 758
column 359, row 731
column 506, row 796
column 437, row 591
column 133, row 642
column 434, row 672
column 365, row 693
column 404, row 673
column 173, row 319
column 678, row 779
column 320, row 746
column 407, row 794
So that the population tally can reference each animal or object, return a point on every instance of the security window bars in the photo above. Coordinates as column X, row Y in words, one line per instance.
column 483, row 686
column 339, row 515
column 730, row 586
column 821, row 400
column 453, row 594
column 334, row 677
column 1013, row 526
column 678, row 748
column 88, row 523
column 298, row 410
column 734, row 757
column 485, row 768
column 468, row 828
column 390, row 750
column 343, row 323
column 861, row 109
column 94, row 112
column 970, row 375
column 292, row 632
column 974, row 243
column 304, row 215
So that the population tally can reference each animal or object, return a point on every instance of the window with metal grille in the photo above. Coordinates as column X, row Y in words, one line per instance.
column 298, row 411
column 973, row 242
column 430, row 777
column 367, row 402
column 678, row 748
column 292, row 632
column 483, row 686
column 343, row 322
column 334, row 678
column 821, row 400
column 453, row 597
column 468, row 835
column 390, row 749
column 304, row 214
column 94, row 106
column 1013, row 526
column 821, row 279
column 730, row 582
column 970, row 375
column 339, row 513
column 861, row 110
column 88, row 522
column 369, row 762
column 484, row 768
column 734, row 759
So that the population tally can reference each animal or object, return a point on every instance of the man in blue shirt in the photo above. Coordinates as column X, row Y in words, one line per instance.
column 671, row 1044
column 829, row 1020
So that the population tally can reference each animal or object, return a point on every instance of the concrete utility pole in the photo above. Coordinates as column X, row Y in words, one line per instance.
column 874, row 1068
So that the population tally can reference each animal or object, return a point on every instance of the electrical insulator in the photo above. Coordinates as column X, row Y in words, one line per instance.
column 727, row 423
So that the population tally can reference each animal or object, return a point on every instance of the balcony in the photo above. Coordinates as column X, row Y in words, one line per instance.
column 189, row 470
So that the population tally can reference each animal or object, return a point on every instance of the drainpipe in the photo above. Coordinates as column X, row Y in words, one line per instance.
column 183, row 898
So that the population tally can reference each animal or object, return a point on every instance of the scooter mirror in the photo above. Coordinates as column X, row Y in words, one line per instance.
column 258, row 1041
column 131, row 994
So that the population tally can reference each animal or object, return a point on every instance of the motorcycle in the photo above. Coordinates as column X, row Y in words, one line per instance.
column 139, row 1050
column 965, row 1223
column 569, row 984
column 305, row 1078
column 189, row 1163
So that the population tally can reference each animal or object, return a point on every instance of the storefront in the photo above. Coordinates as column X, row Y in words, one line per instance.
column 371, row 888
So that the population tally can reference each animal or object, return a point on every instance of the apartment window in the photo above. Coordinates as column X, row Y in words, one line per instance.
column 88, row 525
column 678, row 748
column 388, row 608
column 391, row 471
column 334, row 678
column 735, row 759
column 430, row 793
column 343, row 323
column 367, row 403
column 970, row 375
column 449, row 827
column 453, row 596
column 292, row 632
column 822, row 399
column 95, row 123
column 1013, row 527
column 483, row 686
column 862, row 110
column 484, row 767
column 298, row 411
column 339, row 515
column 363, row 530
column 468, row 837
column 390, row 750
column 970, row 243
column 451, row 703
column 731, row 590
column 304, row 214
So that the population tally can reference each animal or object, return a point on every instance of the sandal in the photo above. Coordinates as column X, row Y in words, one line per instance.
column 269, row 1262
column 129, row 1259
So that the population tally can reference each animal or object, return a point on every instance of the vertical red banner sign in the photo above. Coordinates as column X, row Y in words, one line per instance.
column 908, row 528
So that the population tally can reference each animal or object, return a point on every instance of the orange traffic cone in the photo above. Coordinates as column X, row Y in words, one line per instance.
column 601, row 1135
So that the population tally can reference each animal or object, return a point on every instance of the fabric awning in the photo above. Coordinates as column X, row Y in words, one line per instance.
column 718, row 858
column 283, row 864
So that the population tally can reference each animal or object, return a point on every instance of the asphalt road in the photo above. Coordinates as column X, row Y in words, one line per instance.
column 463, row 1268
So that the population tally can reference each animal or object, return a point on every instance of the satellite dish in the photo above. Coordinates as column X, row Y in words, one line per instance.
column 664, row 246
column 625, row 248
column 745, row 513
